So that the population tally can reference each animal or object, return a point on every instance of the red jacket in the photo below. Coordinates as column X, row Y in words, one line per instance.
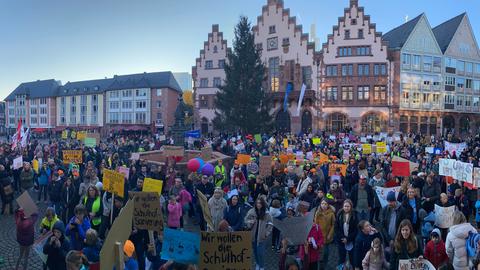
column 313, row 254
column 436, row 253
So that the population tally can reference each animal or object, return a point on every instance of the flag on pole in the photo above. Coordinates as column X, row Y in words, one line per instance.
column 26, row 138
column 288, row 90
column 300, row 100
column 17, row 136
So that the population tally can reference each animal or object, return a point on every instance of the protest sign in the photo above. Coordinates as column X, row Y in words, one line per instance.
column 206, row 153
column 39, row 243
column 205, row 209
column 295, row 229
column 444, row 216
column 114, row 182
column 403, row 167
column 65, row 134
column 366, row 149
column 476, row 177
column 409, row 140
column 429, row 150
column 332, row 137
column 96, row 136
column 180, row 246
column 316, row 141
column 455, row 147
column 458, row 170
column 285, row 143
column 310, row 155
column 124, row 170
column 283, row 158
column 72, row 156
column 225, row 250
column 346, row 154
column 173, row 151
column 18, row 163
column 135, row 156
column 323, row 158
column 90, row 142
column 419, row 264
column 252, row 167
column 81, row 135
column 383, row 192
column 119, row 232
column 26, row 202
column 381, row 148
column 258, row 138
column 333, row 167
column 152, row 185
column 35, row 165
column 299, row 156
column 363, row 139
column 265, row 166
column 147, row 212
column 243, row 159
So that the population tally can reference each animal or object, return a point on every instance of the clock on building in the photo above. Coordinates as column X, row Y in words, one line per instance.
column 272, row 43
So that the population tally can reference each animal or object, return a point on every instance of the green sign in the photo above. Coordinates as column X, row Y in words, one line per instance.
column 90, row 142
column 258, row 138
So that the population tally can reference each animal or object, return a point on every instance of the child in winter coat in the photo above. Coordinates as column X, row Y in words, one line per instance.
column 435, row 250
column 25, row 234
column 57, row 247
column 375, row 257
column 77, row 227
column 92, row 247
column 129, row 250
column 174, row 213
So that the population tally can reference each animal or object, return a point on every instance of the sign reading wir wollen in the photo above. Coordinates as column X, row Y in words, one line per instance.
column 225, row 250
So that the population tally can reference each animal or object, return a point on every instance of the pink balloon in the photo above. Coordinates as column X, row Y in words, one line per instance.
column 193, row 165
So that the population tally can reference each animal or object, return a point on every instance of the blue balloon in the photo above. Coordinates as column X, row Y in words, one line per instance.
column 202, row 163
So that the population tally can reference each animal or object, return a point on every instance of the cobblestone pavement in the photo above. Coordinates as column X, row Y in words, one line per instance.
column 9, row 249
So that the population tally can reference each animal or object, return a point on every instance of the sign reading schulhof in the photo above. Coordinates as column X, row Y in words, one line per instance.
column 226, row 250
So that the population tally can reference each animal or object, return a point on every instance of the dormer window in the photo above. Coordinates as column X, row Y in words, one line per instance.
column 75, row 89
column 360, row 33
column 215, row 49
column 271, row 29
column 347, row 34
column 354, row 21
column 85, row 89
column 95, row 88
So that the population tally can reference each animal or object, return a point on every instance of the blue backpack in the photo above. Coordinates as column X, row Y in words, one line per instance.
column 472, row 244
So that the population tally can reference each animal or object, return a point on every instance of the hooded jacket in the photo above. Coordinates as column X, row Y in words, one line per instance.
column 25, row 228
column 326, row 220
column 436, row 253
column 56, row 255
column 456, row 245
column 234, row 216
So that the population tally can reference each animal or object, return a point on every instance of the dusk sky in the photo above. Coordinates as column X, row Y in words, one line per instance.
column 80, row 40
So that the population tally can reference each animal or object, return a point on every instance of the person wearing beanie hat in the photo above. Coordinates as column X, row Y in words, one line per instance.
column 129, row 250
column 57, row 247
column 435, row 249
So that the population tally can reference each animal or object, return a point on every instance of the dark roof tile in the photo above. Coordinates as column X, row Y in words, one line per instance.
column 444, row 32
column 398, row 36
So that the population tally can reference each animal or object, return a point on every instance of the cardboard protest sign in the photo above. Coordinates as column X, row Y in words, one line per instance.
column 285, row 143
column 205, row 209
column 147, row 211
column 38, row 245
column 206, row 153
column 421, row 264
column 96, row 136
column 152, row 185
column 265, row 166
column 125, row 171
column 114, row 182
column 323, row 158
column 458, row 170
column 120, row 231
column 35, row 165
column 180, row 246
column 455, row 147
column 309, row 155
column 476, row 177
column 444, row 216
column 295, row 229
column 173, row 151
column 366, row 149
column 243, row 159
column 316, row 141
column 65, row 134
column 225, row 250
column 18, row 163
column 429, row 150
column 403, row 167
column 81, row 135
column 26, row 202
column 381, row 148
column 90, row 142
column 135, row 156
column 383, row 192
column 72, row 156
column 333, row 167
column 258, row 138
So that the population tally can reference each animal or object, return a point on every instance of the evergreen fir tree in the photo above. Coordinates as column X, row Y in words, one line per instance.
column 242, row 103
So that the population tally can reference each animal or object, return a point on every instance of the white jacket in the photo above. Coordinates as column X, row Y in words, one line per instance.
column 456, row 245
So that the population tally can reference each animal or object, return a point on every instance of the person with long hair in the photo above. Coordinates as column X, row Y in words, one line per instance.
column 406, row 245
column 259, row 221
column 365, row 236
column 345, row 232
column 325, row 217
column 94, row 206
column 375, row 257
column 410, row 208
column 456, row 241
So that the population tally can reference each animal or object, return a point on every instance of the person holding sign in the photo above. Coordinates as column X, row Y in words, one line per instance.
column 25, row 234
column 406, row 245
column 259, row 221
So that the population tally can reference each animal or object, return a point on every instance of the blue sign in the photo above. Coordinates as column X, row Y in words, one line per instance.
column 180, row 246
column 193, row 134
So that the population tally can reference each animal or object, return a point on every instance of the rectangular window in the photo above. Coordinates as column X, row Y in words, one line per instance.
column 363, row 93
column 43, row 101
column 347, row 34
column 140, row 117
column 461, row 82
column 476, row 86
column 406, row 61
column 449, row 99
column 114, row 118
column 450, row 80
column 141, row 104
column 450, row 62
column 127, row 93
column 114, row 105
column 347, row 93
column 203, row 101
column 159, row 116
column 350, row 70
column 159, row 104
column 307, row 76
column 332, row 71
column 221, row 63
column 113, row 94
column 380, row 92
column 344, row 51
column 437, row 64
column 127, row 118
column 360, row 33
column 460, row 101
column 43, row 120
column 332, row 93
column 460, row 66
column 141, row 93
column 127, row 105
column 274, row 73
column 468, row 83
column 271, row 29
column 204, row 82
column 43, row 110
column 468, row 101
column 33, row 110
column 427, row 63
column 476, row 102
column 469, row 67
column 217, row 82
column 416, row 62
column 415, row 99
column 208, row 64
column 33, row 120
column 362, row 51
column 477, row 69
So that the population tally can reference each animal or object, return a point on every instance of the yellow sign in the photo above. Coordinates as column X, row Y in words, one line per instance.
column 113, row 182
column 152, row 185
column 316, row 141
column 285, row 143
column 35, row 165
column 65, row 134
column 381, row 148
column 81, row 135
column 72, row 156
column 366, row 149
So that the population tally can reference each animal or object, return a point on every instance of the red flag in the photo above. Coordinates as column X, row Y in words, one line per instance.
column 400, row 168
column 19, row 127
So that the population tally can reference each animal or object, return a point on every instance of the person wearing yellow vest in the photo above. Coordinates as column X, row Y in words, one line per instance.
column 93, row 204
column 48, row 221
column 220, row 174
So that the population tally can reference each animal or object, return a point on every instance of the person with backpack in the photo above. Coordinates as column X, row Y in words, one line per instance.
column 456, row 243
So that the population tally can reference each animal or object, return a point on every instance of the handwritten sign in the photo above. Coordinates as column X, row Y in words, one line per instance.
column 26, row 202
column 366, row 149
column 135, row 156
column 65, row 134
column 258, row 138
column 332, row 168
column 73, row 134
column 316, row 141
column 323, row 158
column 458, row 170
column 455, row 147
column 35, row 165
column 476, row 177
column 383, row 192
column 444, row 216
column 243, row 159
column 180, row 246
column 205, row 209
column 18, row 163
column 173, row 151
column 225, row 250
column 152, row 185
column 265, row 166
column 72, row 156
column 81, row 135
column 90, row 142
column 147, row 212
column 381, row 148
column 285, row 143
column 113, row 182
column 417, row 264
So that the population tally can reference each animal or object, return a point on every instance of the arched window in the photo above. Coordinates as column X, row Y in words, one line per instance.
column 414, row 124
column 433, row 126
column 215, row 49
column 424, row 125
column 373, row 122
column 464, row 124
column 403, row 123
column 336, row 122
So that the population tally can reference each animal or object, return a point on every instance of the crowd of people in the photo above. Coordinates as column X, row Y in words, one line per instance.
column 348, row 218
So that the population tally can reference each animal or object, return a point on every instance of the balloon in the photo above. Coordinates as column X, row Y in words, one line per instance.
column 207, row 169
column 193, row 165
column 202, row 163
